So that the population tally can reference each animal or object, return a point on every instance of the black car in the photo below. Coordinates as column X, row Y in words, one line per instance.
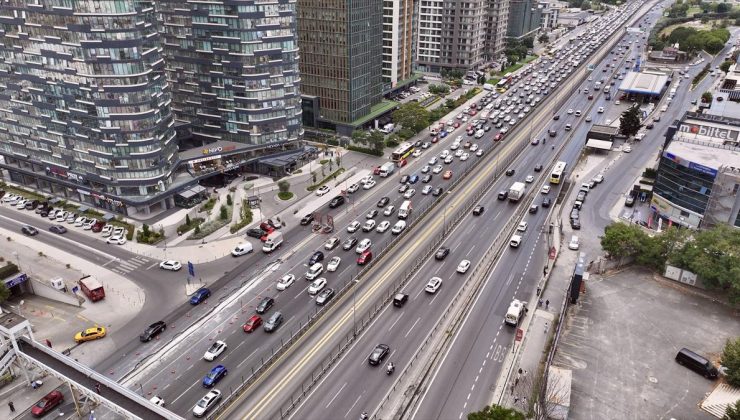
column 336, row 201
column 256, row 232
column 404, row 179
column 533, row 208
column 538, row 168
column 349, row 243
column 535, row 142
column 379, row 353
column 575, row 224
column 42, row 206
column 29, row 230
column 317, row 256
column 58, row 229
column 442, row 253
column 649, row 126
column 403, row 188
column 45, row 211
column 400, row 299
column 307, row 219
column 383, row 201
column 153, row 331
column 546, row 202
column 426, row 178
column 556, row 117
column 265, row 305
column 510, row 172
column 629, row 201
column 503, row 194
column 437, row 191
column 324, row 297
column 478, row 210
column 552, row 133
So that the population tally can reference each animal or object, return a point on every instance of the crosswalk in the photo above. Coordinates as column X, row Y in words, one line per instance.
column 131, row 264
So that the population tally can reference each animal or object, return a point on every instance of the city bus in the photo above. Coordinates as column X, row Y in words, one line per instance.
column 403, row 151
column 503, row 84
column 557, row 172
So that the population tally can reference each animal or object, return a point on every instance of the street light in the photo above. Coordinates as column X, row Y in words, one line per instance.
column 354, row 307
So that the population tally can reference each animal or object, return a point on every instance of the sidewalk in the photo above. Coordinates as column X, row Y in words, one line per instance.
column 22, row 395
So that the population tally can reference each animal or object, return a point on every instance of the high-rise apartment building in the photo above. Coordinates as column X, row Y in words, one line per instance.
column 525, row 18
column 92, row 93
column 455, row 34
column 398, row 41
column 341, row 61
column 233, row 68
column 84, row 105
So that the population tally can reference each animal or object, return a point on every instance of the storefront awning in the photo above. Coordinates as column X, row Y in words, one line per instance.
column 192, row 192
column 83, row 209
column 599, row 144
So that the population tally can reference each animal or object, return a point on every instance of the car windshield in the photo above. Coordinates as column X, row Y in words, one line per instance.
column 202, row 403
column 377, row 352
column 214, row 347
column 42, row 403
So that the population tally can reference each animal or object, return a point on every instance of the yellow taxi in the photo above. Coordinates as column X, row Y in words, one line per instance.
column 90, row 334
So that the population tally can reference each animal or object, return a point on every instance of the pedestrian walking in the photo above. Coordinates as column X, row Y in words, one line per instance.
column 546, row 327
column 539, row 304
column 11, row 406
column 547, row 304
column 97, row 388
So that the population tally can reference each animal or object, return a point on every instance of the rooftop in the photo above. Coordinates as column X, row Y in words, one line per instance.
column 651, row 83
column 605, row 129
column 707, row 154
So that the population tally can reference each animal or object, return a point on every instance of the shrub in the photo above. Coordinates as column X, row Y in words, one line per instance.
column 229, row 201
column 245, row 218
column 223, row 213
column 189, row 224
column 285, row 195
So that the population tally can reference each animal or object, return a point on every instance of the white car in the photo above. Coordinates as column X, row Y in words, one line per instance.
column 410, row 193
column 353, row 227
column 463, row 266
column 479, row 152
column 353, row 188
column 398, row 227
column 578, row 113
column 573, row 244
column 389, row 210
column 416, row 153
column 600, row 110
column 444, row 154
column 80, row 221
column 474, row 147
column 464, row 157
column 322, row 190
column 363, row 246
column 333, row 264
column 433, row 285
column 437, row 169
column 522, row 226
column 529, row 179
column 316, row 286
column 455, row 146
column 545, row 189
column 449, row 159
column 459, row 152
column 157, row 400
column 61, row 216
column 332, row 243
column 89, row 224
column 107, row 230
column 215, row 350
column 425, row 169
column 627, row 149
column 285, row 281
column 433, row 160
column 116, row 239
column 207, row 402
column 383, row 226
column 426, row 190
column 515, row 241
column 21, row 203
column 368, row 226
column 570, row 110
column 171, row 265
column 368, row 185
column 118, row 231
column 588, row 118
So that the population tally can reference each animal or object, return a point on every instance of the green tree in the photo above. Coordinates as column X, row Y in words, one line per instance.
column 732, row 412
column 145, row 229
column 528, row 42
column 4, row 292
column 731, row 360
column 376, row 141
column 725, row 66
column 544, row 39
column 656, row 250
column 411, row 116
column 621, row 240
column 359, row 137
column 723, row 8
column 586, row 5
column 229, row 201
column 284, row 186
column 496, row 412
column 223, row 213
column 629, row 122
column 187, row 219
column 707, row 97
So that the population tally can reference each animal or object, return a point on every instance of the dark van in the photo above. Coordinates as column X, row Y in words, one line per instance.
column 696, row 363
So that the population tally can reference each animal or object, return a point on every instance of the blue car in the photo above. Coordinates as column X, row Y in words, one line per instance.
column 413, row 179
column 442, row 134
column 200, row 296
column 215, row 375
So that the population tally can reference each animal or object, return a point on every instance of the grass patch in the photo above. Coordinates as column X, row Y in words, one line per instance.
column 208, row 228
column 186, row 227
column 285, row 195
column 693, row 10
column 22, row 191
column 209, row 205
column 514, row 67
column 330, row 177
column 493, row 81
column 245, row 219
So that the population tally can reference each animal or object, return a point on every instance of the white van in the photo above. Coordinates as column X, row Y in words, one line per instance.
column 314, row 271
column 405, row 210
column 241, row 249
column 515, row 312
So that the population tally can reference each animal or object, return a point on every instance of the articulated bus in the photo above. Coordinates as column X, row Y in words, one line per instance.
column 557, row 172
column 403, row 151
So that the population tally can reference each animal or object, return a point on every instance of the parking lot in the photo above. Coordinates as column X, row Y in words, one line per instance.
column 620, row 341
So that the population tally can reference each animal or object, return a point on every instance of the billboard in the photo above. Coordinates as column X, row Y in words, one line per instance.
column 722, row 133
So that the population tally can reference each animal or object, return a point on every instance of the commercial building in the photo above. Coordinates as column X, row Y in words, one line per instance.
column 399, row 36
column 525, row 17
column 550, row 12
column 341, row 62
column 497, row 21
column 698, row 173
column 88, row 113
column 730, row 86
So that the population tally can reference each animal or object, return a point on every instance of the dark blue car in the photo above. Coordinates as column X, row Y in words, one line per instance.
column 200, row 296
column 413, row 179
column 317, row 256
column 215, row 375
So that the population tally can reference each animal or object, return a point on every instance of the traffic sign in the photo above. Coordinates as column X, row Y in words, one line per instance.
column 191, row 269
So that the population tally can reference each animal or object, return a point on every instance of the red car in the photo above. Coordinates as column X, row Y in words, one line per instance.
column 472, row 112
column 434, row 140
column 498, row 137
column 365, row 257
column 376, row 170
column 51, row 400
column 252, row 324
column 456, row 124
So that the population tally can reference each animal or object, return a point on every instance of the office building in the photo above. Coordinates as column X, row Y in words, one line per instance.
column 550, row 11
column 233, row 68
column 84, row 106
column 399, row 19
column 497, row 21
column 698, row 173
column 525, row 18
column 341, row 61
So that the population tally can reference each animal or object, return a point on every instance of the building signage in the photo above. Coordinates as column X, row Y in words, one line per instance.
column 15, row 281
column 691, row 165
column 116, row 203
column 716, row 132
column 205, row 159
column 218, row 149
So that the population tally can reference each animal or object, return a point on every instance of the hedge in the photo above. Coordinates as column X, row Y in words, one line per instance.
column 365, row 150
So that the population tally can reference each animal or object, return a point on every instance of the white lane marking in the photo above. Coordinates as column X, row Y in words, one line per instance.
column 248, row 357
column 412, row 327
column 185, row 392
column 395, row 322
column 152, row 266
column 336, row 395
column 353, row 406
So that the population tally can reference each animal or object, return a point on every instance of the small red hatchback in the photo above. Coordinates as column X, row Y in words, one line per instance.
column 252, row 324
column 51, row 400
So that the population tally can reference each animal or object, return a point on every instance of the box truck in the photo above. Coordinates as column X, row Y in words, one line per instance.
column 92, row 288
column 386, row 169
column 273, row 241
column 516, row 191
column 405, row 210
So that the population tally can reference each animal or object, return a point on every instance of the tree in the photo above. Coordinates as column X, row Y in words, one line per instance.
column 496, row 412
column 723, row 8
column 284, row 186
column 656, row 250
column 731, row 360
column 528, row 42
column 359, row 137
column 725, row 66
column 411, row 116
column 4, row 292
column 229, row 200
column 629, row 122
column 732, row 412
column 223, row 213
column 376, row 141
column 707, row 97
column 621, row 240
column 543, row 39
column 187, row 219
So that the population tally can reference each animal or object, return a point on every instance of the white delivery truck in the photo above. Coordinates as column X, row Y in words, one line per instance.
column 273, row 241
column 386, row 169
column 405, row 210
column 516, row 191
column 515, row 313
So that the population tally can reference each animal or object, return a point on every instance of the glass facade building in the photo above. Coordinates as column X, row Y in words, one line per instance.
column 683, row 186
